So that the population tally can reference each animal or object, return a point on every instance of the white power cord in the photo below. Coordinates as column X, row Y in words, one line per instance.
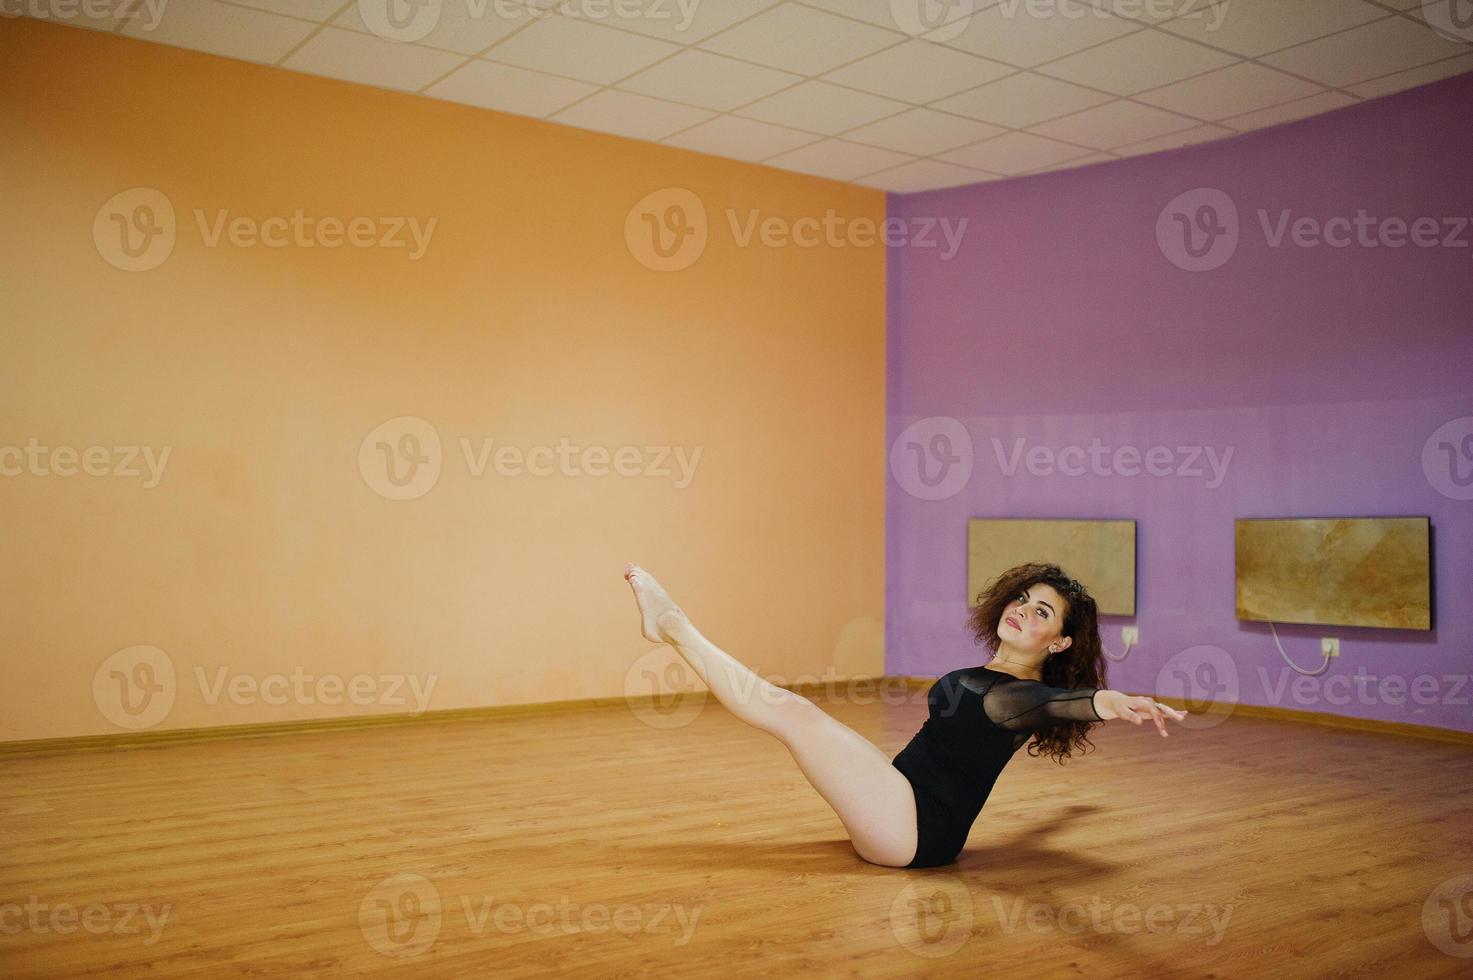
column 1293, row 666
column 1123, row 653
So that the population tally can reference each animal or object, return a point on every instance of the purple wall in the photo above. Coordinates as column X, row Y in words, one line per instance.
column 1319, row 377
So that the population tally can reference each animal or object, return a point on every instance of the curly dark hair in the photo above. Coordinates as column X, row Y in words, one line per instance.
column 1082, row 664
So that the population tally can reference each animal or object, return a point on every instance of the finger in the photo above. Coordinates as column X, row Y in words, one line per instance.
column 1167, row 711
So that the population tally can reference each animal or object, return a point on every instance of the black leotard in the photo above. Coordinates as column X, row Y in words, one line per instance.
column 979, row 718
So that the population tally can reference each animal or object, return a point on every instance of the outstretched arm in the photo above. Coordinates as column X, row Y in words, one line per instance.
column 1030, row 706
column 1110, row 705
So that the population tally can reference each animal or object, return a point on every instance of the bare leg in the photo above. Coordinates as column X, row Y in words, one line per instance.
column 871, row 797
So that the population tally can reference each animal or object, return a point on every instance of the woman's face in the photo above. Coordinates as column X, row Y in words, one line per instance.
column 1033, row 618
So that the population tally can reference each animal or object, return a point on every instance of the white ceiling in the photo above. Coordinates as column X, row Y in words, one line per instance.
column 851, row 90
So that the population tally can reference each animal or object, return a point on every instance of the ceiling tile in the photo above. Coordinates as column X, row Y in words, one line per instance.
column 1145, row 11
column 801, row 39
column 1229, row 91
column 1437, row 14
column 1362, row 53
column 1410, row 79
column 679, row 21
column 1108, row 126
column 1137, row 62
column 923, row 132
column 371, row 60
column 1054, row 168
column 579, row 49
column 741, row 139
column 1008, row 32
column 457, row 26
column 1013, row 153
column 316, row 10
column 1255, row 27
column 924, row 175
column 627, row 114
column 918, row 71
column 1298, row 109
column 675, row 64
column 507, row 89
column 838, row 159
column 906, row 17
column 1021, row 100
column 1173, row 141
column 219, row 28
column 105, row 19
column 709, row 80
column 819, row 107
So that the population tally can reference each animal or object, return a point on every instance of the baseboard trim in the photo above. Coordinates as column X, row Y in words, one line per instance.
column 1405, row 729
column 176, row 736
column 129, row 740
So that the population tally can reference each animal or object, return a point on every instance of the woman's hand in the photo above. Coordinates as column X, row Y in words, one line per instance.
column 1117, row 704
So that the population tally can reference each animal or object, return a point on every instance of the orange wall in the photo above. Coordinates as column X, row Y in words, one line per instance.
column 264, row 549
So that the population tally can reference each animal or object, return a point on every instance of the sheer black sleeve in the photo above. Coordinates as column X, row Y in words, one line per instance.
column 1028, row 706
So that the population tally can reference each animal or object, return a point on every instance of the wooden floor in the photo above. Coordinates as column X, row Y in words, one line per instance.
column 591, row 843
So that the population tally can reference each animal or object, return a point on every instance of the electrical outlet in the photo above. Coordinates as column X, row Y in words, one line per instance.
column 1329, row 646
column 1131, row 635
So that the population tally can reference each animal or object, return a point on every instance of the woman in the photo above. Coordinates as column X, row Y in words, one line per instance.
column 916, row 811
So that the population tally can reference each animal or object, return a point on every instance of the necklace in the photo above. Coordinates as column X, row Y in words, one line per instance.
column 1004, row 660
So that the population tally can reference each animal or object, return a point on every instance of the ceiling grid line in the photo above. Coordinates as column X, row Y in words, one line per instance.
column 930, row 140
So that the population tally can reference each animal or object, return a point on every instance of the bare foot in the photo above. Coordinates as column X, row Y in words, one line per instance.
column 659, row 616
